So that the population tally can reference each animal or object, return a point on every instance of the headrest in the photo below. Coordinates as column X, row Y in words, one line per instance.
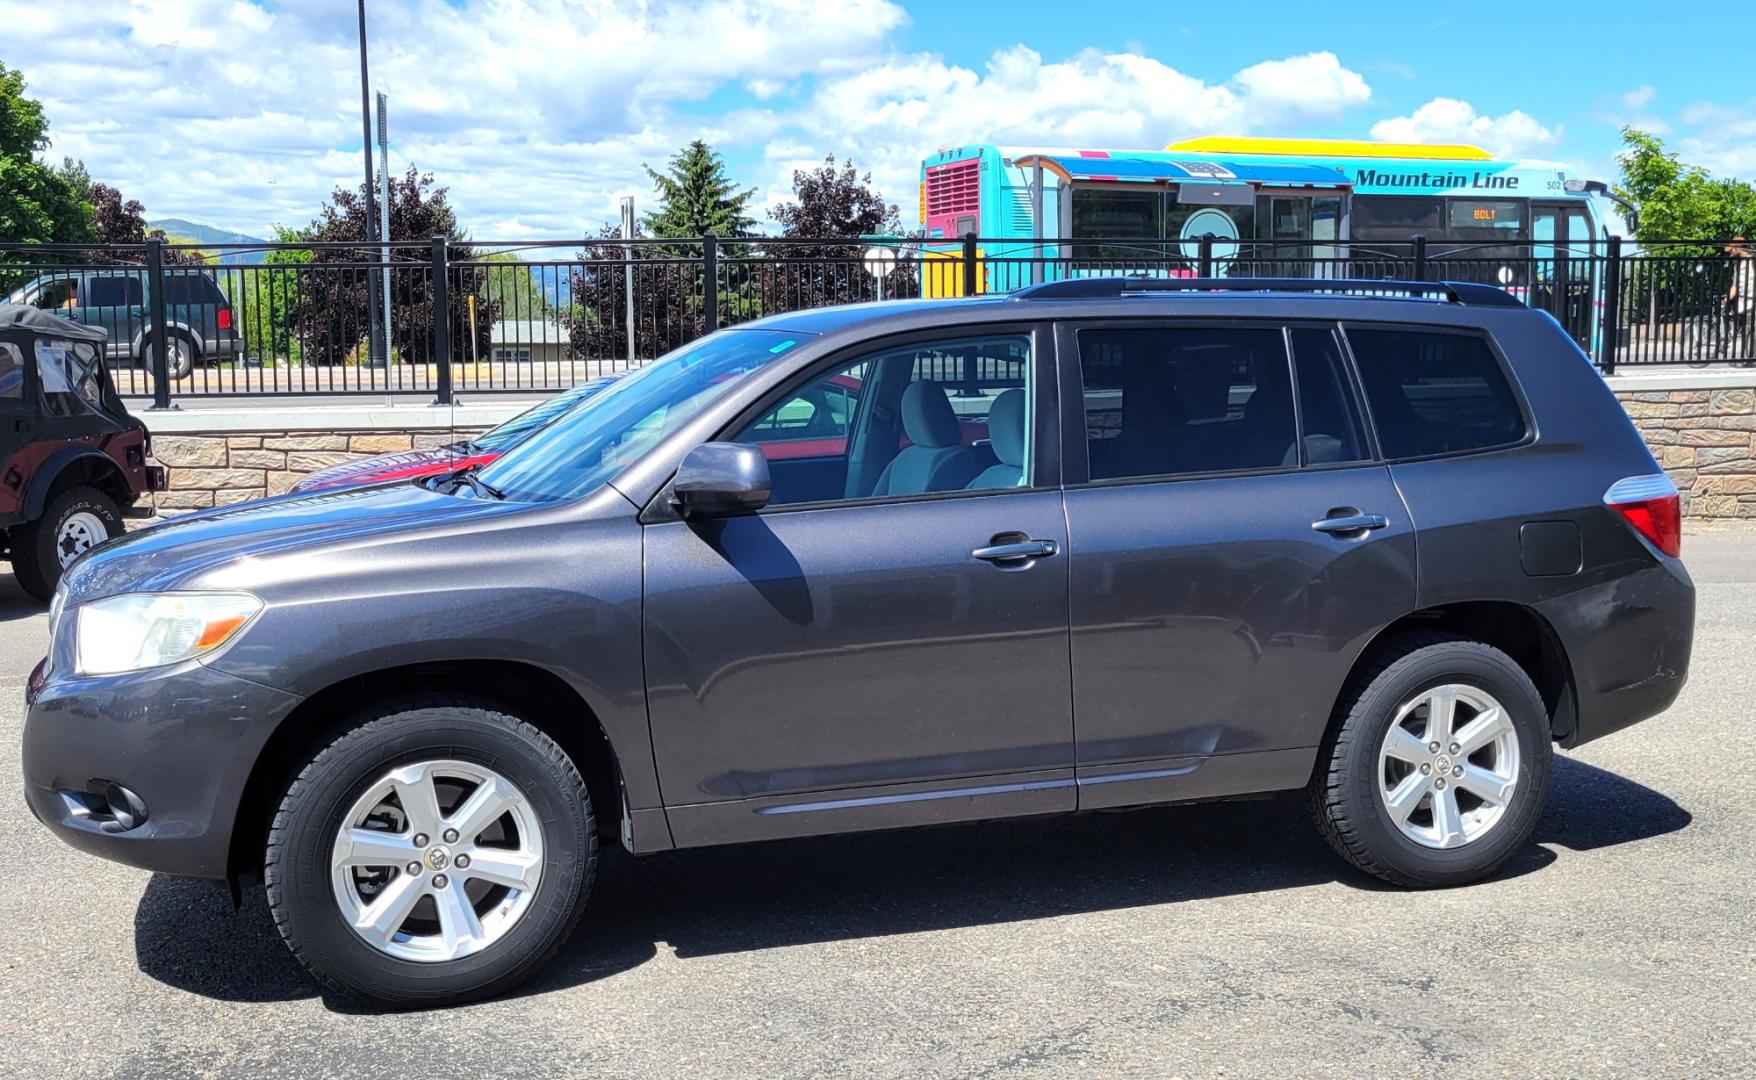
column 927, row 417
column 1006, row 427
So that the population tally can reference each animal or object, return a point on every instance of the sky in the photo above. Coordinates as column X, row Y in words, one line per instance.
column 538, row 114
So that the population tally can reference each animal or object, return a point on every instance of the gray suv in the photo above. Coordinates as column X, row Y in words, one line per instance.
column 197, row 312
column 1099, row 544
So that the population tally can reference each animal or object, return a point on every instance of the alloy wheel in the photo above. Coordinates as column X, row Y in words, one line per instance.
column 1448, row 766
column 437, row 860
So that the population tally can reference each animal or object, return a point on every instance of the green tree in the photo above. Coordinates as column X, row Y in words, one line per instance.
column 511, row 284
column 37, row 205
column 1678, row 201
column 266, row 299
column 696, row 196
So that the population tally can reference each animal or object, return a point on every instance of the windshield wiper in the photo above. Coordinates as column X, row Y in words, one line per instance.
column 467, row 477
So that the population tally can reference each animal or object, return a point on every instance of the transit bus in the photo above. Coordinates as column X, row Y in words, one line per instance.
column 1270, row 207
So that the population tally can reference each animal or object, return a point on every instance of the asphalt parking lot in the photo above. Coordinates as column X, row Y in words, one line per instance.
column 1197, row 941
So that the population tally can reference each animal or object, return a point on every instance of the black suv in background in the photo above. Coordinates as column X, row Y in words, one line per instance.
column 119, row 302
column 1102, row 543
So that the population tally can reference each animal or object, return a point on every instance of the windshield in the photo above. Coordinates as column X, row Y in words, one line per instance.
column 515, row 430
column 577, row 453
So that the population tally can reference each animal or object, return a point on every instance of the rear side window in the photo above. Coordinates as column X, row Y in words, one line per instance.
column 11, row 373
column 106, row 292
column 1434, row 393
column 1172, row 400
column 192, row 289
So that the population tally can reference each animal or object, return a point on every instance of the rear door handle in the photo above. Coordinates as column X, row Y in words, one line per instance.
column 1350, row 523
column 1019, row 550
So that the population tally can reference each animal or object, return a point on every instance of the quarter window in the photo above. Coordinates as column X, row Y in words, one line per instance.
column 187, row 288
column 1162, row 402
column 1434, row 393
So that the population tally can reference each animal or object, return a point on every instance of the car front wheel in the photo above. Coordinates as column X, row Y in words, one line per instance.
column 1438, row 768
column 435, row 854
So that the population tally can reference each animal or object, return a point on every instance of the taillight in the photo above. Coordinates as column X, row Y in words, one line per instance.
column 225, row 318
column 1651, row 504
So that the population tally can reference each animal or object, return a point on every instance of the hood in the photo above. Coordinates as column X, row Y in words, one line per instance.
column 405, row 464
column 178, row 553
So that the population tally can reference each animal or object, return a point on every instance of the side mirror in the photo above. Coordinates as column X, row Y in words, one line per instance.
column 719, row 479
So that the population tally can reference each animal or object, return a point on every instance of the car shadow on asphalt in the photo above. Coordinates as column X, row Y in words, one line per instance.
column 762, row 896
column 15, row 603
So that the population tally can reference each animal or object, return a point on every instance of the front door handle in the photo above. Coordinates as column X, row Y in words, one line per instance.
column 1343, row 523
column 1016, row 551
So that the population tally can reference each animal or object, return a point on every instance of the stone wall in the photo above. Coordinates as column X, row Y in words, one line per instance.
column 221, row 468
column 1701, row 426
column 1706, row 440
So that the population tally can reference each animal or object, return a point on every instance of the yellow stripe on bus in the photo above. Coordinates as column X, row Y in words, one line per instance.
column 1356, row 148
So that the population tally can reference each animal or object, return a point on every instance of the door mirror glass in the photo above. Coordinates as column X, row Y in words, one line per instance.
column 719, row 479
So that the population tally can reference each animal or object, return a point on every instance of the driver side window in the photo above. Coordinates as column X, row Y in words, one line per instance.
column 922, row 419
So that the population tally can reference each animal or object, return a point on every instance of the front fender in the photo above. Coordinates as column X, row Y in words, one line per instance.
column 559, row 595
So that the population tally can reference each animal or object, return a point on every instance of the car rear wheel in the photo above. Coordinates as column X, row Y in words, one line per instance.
column 180, row 354
column 435, row 854
column 74, row 522
column 1438, row 769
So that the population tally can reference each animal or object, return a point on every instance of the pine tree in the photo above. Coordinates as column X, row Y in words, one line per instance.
column 696, row 197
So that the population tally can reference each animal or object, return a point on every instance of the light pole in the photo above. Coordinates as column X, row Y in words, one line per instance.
column 384, row 218
column 376, row 334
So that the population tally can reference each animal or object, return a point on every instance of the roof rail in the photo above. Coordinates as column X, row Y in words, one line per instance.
column 1110, row 288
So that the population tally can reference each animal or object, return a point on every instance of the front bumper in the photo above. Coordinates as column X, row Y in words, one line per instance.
column 182, row 739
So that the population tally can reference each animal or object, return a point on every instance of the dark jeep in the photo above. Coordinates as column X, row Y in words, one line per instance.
column 72, row 460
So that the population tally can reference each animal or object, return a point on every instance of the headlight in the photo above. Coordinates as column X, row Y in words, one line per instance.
column 144, row 630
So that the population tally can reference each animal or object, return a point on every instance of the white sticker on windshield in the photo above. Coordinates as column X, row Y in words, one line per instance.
column 52, row 366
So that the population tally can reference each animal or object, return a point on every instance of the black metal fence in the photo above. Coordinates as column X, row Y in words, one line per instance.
column 438, row 318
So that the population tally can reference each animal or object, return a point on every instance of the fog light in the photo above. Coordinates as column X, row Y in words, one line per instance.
column 108, row 805
column 127, row 808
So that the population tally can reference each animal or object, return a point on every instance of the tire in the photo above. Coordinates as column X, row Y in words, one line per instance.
column 180, row 354
column 1359, row 776
column 70, row 525
column 435, row 735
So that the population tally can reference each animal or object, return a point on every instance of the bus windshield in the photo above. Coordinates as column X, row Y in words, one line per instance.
column 579, row 452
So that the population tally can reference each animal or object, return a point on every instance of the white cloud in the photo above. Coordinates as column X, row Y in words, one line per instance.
column 531, row 111
column 1722, row 138
column 887, row 117
column 1512, row 135
column 537, row 114
column 1638, row 98
column 1310, row 87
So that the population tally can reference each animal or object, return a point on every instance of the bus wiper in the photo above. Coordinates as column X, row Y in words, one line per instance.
column 467, row 476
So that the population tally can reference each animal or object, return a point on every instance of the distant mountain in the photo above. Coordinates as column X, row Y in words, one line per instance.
column 178, row 229
column 202, row 234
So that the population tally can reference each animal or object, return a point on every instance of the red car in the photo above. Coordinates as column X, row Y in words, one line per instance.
column 72, row 459
column 411, row 464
